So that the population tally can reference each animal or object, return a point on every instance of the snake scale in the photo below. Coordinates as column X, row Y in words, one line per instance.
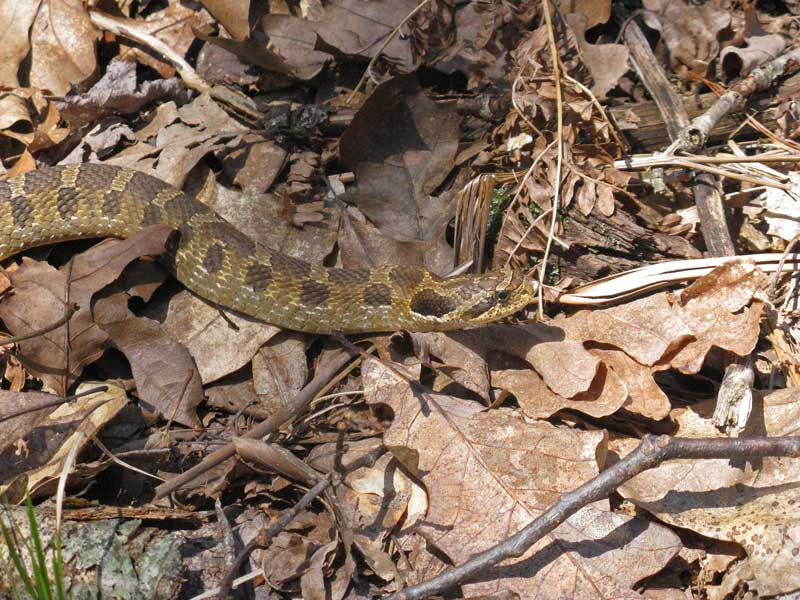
column 219, row 263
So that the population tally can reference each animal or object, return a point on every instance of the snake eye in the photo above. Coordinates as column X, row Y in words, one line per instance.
column 502, row 295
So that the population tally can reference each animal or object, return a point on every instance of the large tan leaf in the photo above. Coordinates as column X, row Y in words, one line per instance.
column 166, row 377
column 490, row 473
column 220, row 343
column 401, row 146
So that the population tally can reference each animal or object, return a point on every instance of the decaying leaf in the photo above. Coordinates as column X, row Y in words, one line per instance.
column 219, row 342
column 606, row 62
column 688, row 31
column 63, row 51
column 116, row 92
column 167, row 380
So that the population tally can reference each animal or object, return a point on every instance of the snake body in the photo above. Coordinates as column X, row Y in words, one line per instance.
column 221, row 264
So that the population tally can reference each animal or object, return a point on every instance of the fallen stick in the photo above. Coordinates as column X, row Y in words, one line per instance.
column 694, row 136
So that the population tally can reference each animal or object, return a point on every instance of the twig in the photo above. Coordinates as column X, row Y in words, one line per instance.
column 559, row 154
column 187, row 380
column 651, row 452
column 54, row 402
column 694, row 136
column 295, row 406
column 383, row 46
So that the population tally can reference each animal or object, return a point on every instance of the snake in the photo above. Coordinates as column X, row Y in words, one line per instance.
column 219, row 263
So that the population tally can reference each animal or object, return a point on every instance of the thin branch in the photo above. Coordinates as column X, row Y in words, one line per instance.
column 694, row 136
column 295, row 406
column 559, row 154
column 54, row 402
column 71, row 308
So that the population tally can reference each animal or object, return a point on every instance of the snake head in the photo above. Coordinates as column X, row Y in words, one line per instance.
column 466, row 300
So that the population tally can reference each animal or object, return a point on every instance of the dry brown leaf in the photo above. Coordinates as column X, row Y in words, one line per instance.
column 33, row 458
column 489, row 473
column 279, row 369
column 233, row 14
column 606, row 395
column 361, row 244
column 689, row 32
column 166, row 378
column 374, row 501
column 256, row 165
column 16, row 19
column 480, row 49
column 646, row 329
column 461, row 358
column 303, row 63
column 595, row 12
column 606, row 62
column 32, row 120
column 574, row 376
column 720, row 311
column 739, row 62
column 15, row 22
column 42, row 293
column 117, row 92
column 401, row 146
column 12, row 430
column 63, row 51
column 644, row 395
column 219, row 342
column 262, row 218
column 753, row 503
column 286, row 558
column 317, row 583
column 176, row 139
column 350, row 28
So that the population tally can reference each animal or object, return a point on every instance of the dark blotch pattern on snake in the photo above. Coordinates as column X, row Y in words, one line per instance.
column 219, row 263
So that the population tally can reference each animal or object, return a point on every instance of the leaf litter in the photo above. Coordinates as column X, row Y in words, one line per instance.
column 483, row 429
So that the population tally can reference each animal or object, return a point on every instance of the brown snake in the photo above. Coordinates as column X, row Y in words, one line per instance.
column 219, row 263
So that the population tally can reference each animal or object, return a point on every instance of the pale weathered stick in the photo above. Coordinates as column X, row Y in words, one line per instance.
column 694, row 136
column 650, row 277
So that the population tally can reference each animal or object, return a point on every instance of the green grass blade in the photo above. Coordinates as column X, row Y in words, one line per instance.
column 58, row 571
column 17, row 560
column 39, row 562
